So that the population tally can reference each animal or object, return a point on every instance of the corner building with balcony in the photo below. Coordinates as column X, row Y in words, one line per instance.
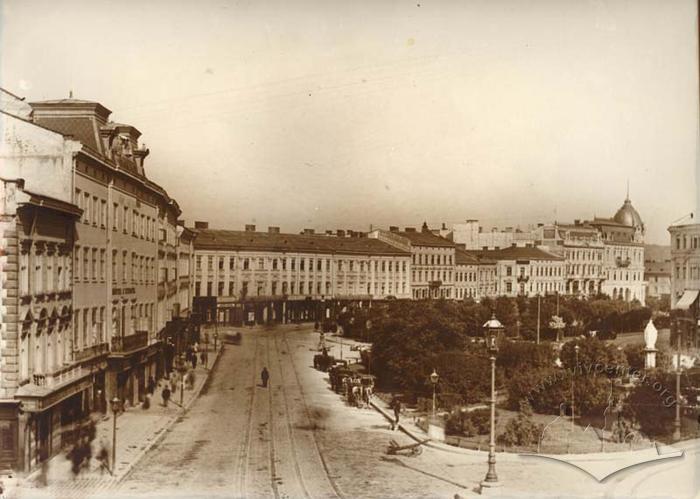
column 125, row 238
column 44, row 385
column 623, row 257
column 261, row 277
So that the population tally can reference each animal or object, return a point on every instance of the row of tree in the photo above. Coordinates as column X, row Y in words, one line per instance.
column 412, row 338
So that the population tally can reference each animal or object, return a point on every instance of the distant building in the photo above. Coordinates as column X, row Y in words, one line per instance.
column 623, row 259
column 275, row 277
column 685, row 266
column 473, row 237
column 432, row 260
column 657, row 271
column 526, row 271
column 582, row 246
column 475, row 277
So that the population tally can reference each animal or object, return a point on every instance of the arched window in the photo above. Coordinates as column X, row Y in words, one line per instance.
column 39, row 362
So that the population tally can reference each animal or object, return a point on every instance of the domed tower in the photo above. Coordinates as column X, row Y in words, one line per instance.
column 627, row 215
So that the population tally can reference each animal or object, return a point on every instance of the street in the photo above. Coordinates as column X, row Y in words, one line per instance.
column 297, row 438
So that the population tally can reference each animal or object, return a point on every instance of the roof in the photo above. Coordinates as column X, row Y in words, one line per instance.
column 519, row 253
column 215, row 239
column 71, row 102
column 80, row 128
column 627, row 215
column 426, row 239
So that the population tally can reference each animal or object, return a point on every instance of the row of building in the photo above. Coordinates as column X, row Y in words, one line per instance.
column 100, row 279
column 94, row 273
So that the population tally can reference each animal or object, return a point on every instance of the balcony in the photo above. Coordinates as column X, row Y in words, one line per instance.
column 122, row 344
column 622, row 262
column 90, row 352
column 523, row 278
column 60, row 376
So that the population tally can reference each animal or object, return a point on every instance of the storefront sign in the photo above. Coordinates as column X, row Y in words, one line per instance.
column 123, row 291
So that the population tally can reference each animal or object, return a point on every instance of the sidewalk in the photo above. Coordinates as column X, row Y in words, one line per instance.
column 138, row 430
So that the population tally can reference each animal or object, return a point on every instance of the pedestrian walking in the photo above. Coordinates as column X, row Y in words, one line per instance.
column 194, row 357
column 103, row 456
column 264, row 376
column 166, row 395
column 151, row 385
column 396, row 405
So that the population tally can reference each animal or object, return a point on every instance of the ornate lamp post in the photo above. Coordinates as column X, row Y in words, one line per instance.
column 493, row 328
column 115, row 409
column 434, row 380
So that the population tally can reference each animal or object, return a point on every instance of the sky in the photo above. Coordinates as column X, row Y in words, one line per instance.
column 330, row 114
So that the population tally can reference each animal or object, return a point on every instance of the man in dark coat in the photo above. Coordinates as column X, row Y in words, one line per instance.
column 264, row 376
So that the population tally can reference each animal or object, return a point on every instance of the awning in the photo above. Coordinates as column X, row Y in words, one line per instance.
column 688, row 298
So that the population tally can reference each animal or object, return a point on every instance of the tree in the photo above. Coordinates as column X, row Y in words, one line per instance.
column 521, row 430
column 651, row 405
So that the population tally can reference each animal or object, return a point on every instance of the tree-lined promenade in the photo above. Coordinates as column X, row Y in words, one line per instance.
column 606, row 383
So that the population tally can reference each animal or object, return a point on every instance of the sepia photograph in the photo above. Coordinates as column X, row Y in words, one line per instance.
column 314, row 249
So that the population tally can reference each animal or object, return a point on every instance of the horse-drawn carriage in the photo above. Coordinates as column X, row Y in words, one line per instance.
column 358, row 389
column 323, row 361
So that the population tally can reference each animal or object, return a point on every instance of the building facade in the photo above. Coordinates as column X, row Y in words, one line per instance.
column 432, row 260
column 582, row 247
column 260, row 277
column 83, row 327
column 623, row 257
column 44, row 385
column 526, row 271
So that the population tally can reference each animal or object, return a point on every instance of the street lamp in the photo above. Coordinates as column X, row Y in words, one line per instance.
column 434, row 380
column 677, row 421
column 493, row 328
column 115, row 410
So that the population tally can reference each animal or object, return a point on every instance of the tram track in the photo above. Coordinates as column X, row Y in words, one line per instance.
column 290, row 427
column 244, row 449
column 309, row 419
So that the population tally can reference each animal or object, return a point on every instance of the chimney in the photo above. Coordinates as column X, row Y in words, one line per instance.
column 308, row 232
column 577, row 222
column 410, row 229
column 393, row 228
column 201, row 225
column 329, row 232
column 540, row 225
column 485, row 248
column 513, row 245
column 273, row 230
column 340, row 233
column 444, row 227
column 249, row 228
column 424, row 227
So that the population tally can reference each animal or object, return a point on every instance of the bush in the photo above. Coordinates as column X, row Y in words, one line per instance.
column 521, row 430
column 469, row 423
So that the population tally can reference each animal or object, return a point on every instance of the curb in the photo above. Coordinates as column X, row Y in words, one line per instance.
column 160, row 434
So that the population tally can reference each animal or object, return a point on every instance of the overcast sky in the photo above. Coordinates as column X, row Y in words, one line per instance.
column 344, row 114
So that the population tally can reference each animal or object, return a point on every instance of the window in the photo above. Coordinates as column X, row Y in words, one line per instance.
column 210, row 263
column 246, row 264
column 509, row 271
column 209, row 289
column 231, row 288
column 93, row 268
column 221, row 264
column 293, row 263
column 198, row 263
column 197, row 288
column 319, row 265
column 261, row 264
column 125, row 219
column 220, row 289
column 274, row 288
column 124, row 265
column 232, row 263
column 302, row 261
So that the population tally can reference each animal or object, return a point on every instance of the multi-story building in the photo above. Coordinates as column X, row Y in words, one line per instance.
column 44, row 383
column 685, row 266
column 271, row 276
column 473, row 237
column 657, row 271
column 526, row 271
column 623, row 257
column 685, row 281
column 432, row 260
column 582, row 246
column 475, row 276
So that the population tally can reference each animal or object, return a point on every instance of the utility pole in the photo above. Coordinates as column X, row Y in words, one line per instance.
column 538, row 318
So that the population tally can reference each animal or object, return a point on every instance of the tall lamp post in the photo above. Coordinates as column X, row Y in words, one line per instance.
column 493, row 328
column 677, row 421
column 434, row 380
column 115, row 410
